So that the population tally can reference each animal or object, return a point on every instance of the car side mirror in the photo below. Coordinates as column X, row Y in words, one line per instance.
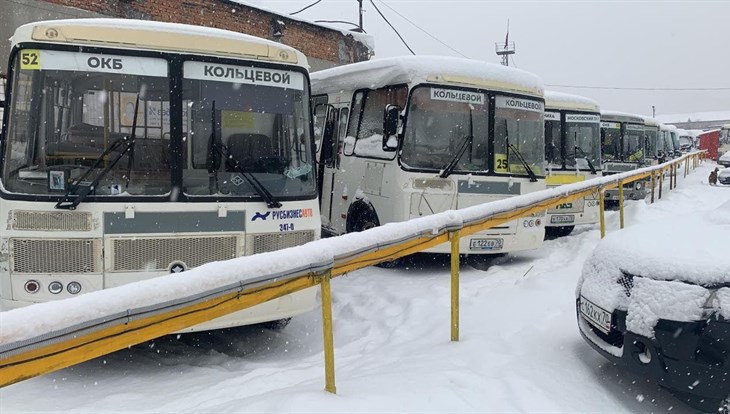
column 391, row 115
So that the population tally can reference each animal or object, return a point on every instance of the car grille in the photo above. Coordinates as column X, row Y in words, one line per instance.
column 615, row 337
column 627, row 282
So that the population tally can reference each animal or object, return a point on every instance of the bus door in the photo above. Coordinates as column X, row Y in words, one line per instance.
column 334, row 129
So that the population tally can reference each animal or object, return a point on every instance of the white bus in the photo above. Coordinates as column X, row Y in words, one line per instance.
column 654, row 143
column 623, row 148
column 134, row 149
column 573, row 154
column 412, row 136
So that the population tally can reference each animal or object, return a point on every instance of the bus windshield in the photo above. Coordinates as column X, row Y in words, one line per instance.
column 651, row 142
column 518, row 134
column 438, row 122
column 68, row 108
column 263, row 126
column 582, row 141
column 633, row 148
column 611, row 142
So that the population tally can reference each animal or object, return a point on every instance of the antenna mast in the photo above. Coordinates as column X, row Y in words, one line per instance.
column 505, row 49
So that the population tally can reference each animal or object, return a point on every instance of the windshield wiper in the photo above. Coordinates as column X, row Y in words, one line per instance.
column 465, row 143
column 72, row 199
column 530, row 173
column 585, row 156
column 217, row 149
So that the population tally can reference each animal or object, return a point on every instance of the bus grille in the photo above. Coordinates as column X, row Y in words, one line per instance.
column 56, row 256
column 152, row 254
column 267, row 242
column 50, row 220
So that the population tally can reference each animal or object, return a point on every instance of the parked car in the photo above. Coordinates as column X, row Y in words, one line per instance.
column 723, row 177
column 724, row 159
column 655, row 299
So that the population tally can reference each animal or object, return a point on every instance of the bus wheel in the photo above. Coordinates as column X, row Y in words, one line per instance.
column 555, row 232
column 361, row 216
column 276, row 325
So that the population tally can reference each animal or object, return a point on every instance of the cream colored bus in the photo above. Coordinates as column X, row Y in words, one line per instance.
column 135, row 149
column 573, row 154
column 407, row 137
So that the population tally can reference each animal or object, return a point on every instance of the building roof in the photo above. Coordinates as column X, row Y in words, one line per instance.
column 695, row 117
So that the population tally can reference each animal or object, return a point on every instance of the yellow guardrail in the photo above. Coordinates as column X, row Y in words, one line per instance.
column 43, row 352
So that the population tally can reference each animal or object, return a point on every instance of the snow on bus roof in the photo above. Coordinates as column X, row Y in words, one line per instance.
column 378, row 73
column 25, row 32
column 617, row 116
column 560, row 100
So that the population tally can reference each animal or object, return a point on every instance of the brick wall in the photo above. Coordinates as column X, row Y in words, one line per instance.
column 312, row 40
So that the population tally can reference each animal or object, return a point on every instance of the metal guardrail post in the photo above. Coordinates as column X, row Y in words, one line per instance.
column 455, row 237
column 329, row 348
column 653, row 183
column 661, row 182
column 686, row 167
column 621, row 203
column 671, row 176
column 602, row 215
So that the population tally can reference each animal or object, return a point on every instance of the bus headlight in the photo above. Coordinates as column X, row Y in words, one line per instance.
column 74, row 288
column 55, row 287
column 32, row 286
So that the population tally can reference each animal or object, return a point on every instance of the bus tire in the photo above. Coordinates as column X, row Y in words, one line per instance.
column 276, row 325
column 361, row 216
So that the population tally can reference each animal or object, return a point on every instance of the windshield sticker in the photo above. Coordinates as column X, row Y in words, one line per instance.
column 581, row 118
column 457, row 96
column 517, row 103
column 248, row 75
column 632, row 127
column 500, row 163
column 30, row 59
column 87, row 62
column 552, row 116
column 614, row 125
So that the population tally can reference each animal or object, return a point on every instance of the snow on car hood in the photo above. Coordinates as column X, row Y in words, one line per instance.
column 662, row 270
column 690, row 249
column 725, row 172
column 725, row 156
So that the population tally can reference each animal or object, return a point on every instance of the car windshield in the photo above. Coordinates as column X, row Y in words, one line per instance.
column 437, row 124
column 582, row 142
column 260, row 118
column 68, row 108
column 518, row 133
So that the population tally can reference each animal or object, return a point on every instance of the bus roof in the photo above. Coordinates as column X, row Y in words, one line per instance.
column 160, row 36
column 378, row 73
column 615, row 116
column 566, row 101
column 649, row 121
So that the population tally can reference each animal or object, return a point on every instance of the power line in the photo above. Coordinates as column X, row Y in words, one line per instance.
column 391, row 26
column 297, row 12
column 419, row 28
column 619, row 88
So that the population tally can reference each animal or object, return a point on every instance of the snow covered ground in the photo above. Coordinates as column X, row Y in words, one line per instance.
column 520, row 350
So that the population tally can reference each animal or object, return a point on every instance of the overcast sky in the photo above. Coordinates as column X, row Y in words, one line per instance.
column 607, row 44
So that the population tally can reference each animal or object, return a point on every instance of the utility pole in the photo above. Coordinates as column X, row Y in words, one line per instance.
column 506, row 49
column 653, row 111
column 360, row 13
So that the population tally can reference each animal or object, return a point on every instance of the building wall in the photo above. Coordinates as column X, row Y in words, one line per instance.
column 323, row 47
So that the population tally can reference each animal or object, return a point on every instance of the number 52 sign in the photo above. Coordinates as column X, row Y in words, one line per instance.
column 30, row 59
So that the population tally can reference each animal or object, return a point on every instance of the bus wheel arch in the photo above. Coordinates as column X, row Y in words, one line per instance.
column 361, row 216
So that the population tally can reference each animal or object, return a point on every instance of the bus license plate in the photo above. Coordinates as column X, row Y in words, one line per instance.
column 486, row 244
column 595, row 315
column 562, row 219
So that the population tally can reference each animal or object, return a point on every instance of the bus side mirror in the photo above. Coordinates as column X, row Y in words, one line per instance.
column 390, row 127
